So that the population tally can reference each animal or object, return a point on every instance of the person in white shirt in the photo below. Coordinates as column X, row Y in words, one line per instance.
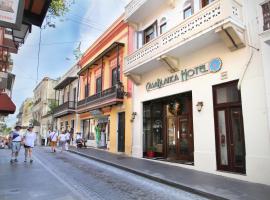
column 15, row 139
column 62, row 141
column 67, row 139
column 29, row 143
column 53, row 140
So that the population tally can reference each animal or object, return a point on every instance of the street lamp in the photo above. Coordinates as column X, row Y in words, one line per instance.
column 20, row 35
column 199, row 106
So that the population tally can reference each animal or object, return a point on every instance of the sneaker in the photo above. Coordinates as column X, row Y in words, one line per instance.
column 16, row 160
column 25, row 161
column 31, row 161
column 11, row 161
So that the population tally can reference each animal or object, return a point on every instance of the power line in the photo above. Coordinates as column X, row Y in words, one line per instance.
column 39, row 44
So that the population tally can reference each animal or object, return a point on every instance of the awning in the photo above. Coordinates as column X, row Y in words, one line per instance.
column 104, row 53
column 35, row 11
column 64, row 83
column 6, row 105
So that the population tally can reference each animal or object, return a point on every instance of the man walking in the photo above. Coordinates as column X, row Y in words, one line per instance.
column 29, row 142
column 15, row 139
column 53, row 140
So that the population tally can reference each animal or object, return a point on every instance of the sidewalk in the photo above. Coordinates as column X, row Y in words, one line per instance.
column 205, row 184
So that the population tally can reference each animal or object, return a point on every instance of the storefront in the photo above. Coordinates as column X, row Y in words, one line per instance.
column 203, row 116
column 168, row 129
column 96, row 129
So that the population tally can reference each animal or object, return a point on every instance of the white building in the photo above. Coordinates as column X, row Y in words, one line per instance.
column 44, row 97
column 201, row 87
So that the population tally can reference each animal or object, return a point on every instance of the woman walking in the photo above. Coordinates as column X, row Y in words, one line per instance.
column 29, row 142
column 62, row 141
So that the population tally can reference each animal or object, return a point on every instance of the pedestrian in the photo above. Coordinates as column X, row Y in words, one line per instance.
column 47, row 139
column 15, row 139
column 53, row 140
column 72, row 136
column 29, row 142
column 67, row 139
column 62, row 141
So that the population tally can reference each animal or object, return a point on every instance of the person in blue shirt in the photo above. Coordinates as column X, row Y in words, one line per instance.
column 15, row 139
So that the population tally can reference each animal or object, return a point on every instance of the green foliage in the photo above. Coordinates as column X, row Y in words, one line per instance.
column 152, row 149
column 4, row 130
column 52, row 105
column 59, row 8
column 35, row 122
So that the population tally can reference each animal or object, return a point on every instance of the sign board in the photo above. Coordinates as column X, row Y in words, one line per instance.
column 11, row 13
column 183, row 75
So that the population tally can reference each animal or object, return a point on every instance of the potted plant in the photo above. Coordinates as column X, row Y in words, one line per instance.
column 151, row 152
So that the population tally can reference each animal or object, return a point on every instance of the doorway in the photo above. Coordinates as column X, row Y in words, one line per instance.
column 180, row 146
column 121, row 132
column 230, row 142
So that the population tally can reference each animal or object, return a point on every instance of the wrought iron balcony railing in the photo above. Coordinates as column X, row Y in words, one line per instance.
column 114, row 93
column 64, row 109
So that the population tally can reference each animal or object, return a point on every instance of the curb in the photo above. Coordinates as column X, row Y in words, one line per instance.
column 154, row 178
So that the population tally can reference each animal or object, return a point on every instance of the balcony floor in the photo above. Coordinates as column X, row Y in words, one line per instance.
column 189, row 46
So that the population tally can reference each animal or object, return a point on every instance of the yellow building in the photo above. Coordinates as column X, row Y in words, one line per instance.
column 105, row 104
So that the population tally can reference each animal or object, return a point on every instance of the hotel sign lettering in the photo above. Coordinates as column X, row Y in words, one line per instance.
column 11, row 13
column 183, row 75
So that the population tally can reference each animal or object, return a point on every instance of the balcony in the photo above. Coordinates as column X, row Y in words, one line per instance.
column 138, row 10
column 6, row 81
column 64, row 109
column 108, row 97
column 220, row 19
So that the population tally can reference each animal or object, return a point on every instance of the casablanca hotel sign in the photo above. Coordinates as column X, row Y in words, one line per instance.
column 11, row 13
column 211, row 67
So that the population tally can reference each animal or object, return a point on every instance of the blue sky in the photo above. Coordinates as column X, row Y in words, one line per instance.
column 86, row 20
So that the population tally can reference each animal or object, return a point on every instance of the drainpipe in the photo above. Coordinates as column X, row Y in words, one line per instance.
column 251, row 53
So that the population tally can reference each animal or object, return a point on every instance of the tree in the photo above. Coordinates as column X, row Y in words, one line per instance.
column 52, row 105
column 58, row 8
column 5, row 130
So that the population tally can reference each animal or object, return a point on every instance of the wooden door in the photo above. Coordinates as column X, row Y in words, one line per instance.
column 184, row 138
column 121, row 132
column 230, row 142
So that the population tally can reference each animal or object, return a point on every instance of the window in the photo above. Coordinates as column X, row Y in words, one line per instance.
column 115, row 75
column 74, row 94
column 61, row 126
column 98, row 85
column 72, row 123
column 150, row 33
column 66, row 125
column 86, row 90
column 163, row 28
column 187, row 12
column 206, row 2
column 266, row 16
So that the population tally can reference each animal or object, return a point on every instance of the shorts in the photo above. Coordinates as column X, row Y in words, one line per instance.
column 53, row 143
column 62, row 143
column 15, row 147
column 27, row 147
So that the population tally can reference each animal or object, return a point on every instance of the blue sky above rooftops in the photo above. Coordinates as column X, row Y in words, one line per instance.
column 85, row 22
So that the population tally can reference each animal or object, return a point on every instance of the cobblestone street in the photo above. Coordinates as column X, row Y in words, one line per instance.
column 68, row 176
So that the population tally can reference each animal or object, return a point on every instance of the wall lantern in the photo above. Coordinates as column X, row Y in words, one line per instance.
column 133, row 115
column 199, row 106
column 19, row 36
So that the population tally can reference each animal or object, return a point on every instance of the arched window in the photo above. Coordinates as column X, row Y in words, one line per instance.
column 188, row 8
